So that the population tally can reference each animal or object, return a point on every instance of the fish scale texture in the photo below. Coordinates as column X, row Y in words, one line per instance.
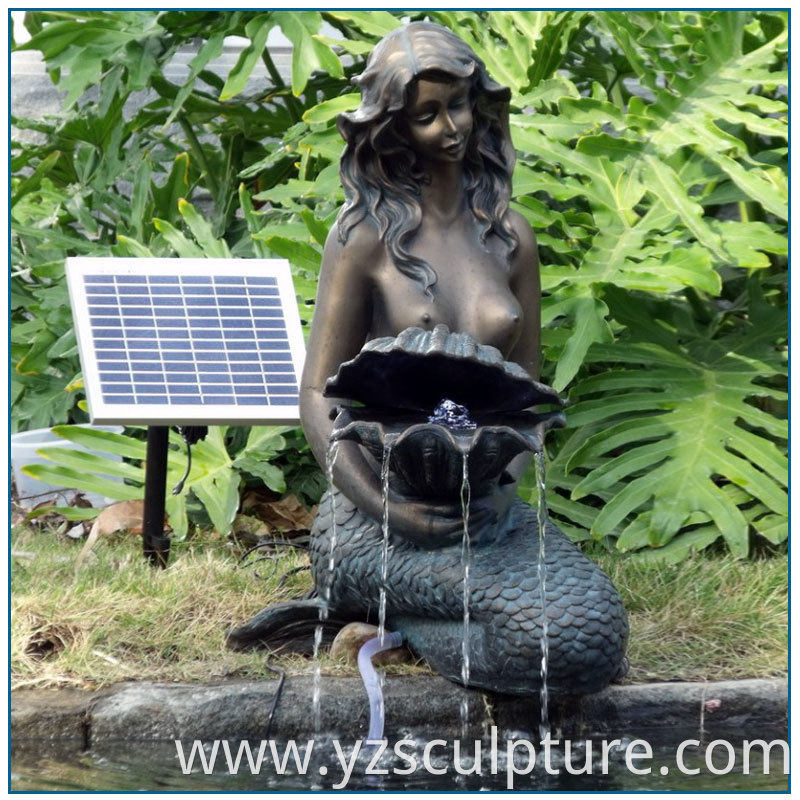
column 587, row 625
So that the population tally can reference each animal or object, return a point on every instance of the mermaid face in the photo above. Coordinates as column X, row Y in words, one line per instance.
column 439, row 118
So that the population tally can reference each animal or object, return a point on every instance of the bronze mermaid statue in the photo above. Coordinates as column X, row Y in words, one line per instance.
column 429, row 290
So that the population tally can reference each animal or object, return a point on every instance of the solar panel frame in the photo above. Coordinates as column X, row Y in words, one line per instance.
column 159, row 339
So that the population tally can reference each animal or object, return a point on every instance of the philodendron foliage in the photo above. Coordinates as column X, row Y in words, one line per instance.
column 652, row 165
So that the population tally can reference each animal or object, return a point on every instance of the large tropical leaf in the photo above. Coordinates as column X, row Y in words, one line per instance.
column 681, row 423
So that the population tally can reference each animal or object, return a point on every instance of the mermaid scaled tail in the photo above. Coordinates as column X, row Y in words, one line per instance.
column 587, row 625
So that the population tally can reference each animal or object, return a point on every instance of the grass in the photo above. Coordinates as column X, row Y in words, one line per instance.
column 119, row 619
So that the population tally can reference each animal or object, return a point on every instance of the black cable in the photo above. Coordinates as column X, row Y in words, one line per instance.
column 276, row 699
column 191, row 434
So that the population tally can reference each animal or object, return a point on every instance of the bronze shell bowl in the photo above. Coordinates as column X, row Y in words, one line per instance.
column 427, row 460
column 419, row 368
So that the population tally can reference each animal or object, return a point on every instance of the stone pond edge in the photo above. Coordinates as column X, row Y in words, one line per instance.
column 421, row 706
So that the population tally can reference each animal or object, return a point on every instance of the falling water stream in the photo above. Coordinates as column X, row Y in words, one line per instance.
column 387, row 454
column 465, row 562
column 541, row 518
column 326, row 586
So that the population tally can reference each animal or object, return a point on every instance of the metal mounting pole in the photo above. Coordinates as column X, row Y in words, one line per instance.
column 156, row 542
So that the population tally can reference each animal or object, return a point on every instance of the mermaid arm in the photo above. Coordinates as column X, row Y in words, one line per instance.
column 526, row 286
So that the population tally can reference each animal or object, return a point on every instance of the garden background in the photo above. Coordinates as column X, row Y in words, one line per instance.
column 652, row 166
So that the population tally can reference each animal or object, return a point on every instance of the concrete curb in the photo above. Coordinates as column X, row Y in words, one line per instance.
column 427, row 706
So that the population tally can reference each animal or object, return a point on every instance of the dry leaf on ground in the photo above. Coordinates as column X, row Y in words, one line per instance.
column 124, row 516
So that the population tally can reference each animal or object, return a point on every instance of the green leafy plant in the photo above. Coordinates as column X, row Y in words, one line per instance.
column 218, row 469
column 652, row 164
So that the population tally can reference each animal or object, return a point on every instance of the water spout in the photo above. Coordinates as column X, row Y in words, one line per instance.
column 465, row 562
column 326, row 586
column 387, row 454
column 541, row 519
column 372, row 682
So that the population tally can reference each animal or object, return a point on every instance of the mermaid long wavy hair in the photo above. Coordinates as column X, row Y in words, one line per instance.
column 379, row 170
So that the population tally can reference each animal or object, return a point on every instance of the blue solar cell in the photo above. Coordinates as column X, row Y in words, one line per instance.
column 103, row 316
column 151, row 388
column 254, row 281
column 133, row 323
column 163, row 279
column 117, row 387
column 193, row 303
column 270, row 323
column 258, row 292
column 219, row 381
column 202, row 312
column 182, row 381
column 133, row 289
column 106, row 322
column 237, row 324
column 195, row 279
column 228, row 279
column 201, row 327
column 243, row 367
column 265, row 312
column 95, row 291
column 205, row 356
column 226, row 303
column 118, row 399
column 251, row 401
column 229, row 314
column 172, row 322
column 274, row 377
column 177, row 357
column 189, row 400
column 147, row 352
column 141, row 333
column 96, row 302
column 250, row 357
column 226, row 291
column 146, row 371
column 283, row 389
column 168, row 301
column 278, row 367
column 110, row 374
column 135, row 300
column 274, row 354
column 131, row 279
column 181, row 389
column 284, row 401
column 98, row 279
column 172, row 344
column 202, row 291
column 238, row 345
column 169, row 335
column 116, row 355
column 240, row 333
column 208, row 369
column 206, row 334
column 216, row 399
column 108, row 343
column 150, row 399
column 159, row 291
column 102, row 332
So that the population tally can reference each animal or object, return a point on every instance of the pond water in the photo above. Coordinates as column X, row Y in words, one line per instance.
column 324, row 764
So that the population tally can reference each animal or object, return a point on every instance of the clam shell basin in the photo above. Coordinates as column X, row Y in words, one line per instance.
column 426, row 460
column 587, row 625
column 418, row 368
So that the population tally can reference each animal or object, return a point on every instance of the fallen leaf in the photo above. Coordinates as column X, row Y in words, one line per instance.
column 287, row 514
column 124, row 516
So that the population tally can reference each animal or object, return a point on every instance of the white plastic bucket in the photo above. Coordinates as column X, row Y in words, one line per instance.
column 34, row 493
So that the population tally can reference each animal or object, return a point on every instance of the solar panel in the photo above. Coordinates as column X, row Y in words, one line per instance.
column 172, row 341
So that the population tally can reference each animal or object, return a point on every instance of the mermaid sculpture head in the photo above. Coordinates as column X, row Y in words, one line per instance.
column 381, row 171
